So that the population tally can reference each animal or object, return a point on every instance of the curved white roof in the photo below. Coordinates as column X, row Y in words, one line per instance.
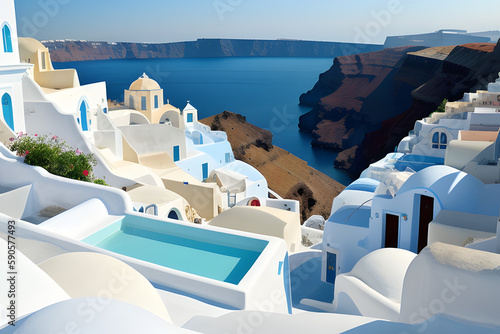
column 112, row 317
column 454, row 189
column 384, row 270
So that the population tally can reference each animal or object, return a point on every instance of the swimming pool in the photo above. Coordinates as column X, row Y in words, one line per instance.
column 211, row 254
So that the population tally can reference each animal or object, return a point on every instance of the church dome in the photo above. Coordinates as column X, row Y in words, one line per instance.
column 144, row 83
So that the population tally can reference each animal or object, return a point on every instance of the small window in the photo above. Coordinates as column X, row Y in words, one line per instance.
column 439, row 140
column 131, row 102
column 7, row 40
column 44, row 65
column 143, row 103
column 156, row 101
column 204, row 168
column 176, row 153
column 228, row 157
column 190, row 118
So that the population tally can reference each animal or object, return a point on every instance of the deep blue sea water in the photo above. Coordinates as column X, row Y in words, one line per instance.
column 265, row 90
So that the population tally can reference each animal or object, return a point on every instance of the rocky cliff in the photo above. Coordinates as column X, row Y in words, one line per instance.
column 67, row 50
column 364, row 104
column 286, row 174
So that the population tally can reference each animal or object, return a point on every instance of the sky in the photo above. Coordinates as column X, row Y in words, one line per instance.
column 159, row 21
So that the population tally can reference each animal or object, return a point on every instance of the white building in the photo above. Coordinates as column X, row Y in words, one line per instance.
column 11, row 73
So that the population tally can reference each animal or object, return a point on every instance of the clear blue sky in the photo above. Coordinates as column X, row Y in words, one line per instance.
column 182, row 20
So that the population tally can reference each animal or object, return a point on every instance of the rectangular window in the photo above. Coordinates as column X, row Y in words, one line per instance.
column 205, row 170
column 190, row 118
column 177, row 155
column 143, row 103
column 228, row 157
column 156, row 101
column 44, row 65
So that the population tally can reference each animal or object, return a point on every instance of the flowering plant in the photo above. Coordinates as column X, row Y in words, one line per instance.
column 55, row 156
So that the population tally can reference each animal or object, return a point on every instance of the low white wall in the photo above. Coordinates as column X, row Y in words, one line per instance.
column 49, row 189
column 454, row 235
column 455, row 281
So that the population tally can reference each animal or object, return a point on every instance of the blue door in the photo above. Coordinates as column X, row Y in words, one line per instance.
column 331, row 267
column 176, row 153
column 8, row 114
column 83, row 116
column 201, row 139
column 190, row 118
column 204, row 168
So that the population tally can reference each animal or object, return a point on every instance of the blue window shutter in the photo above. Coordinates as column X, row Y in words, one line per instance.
column 176, row 153
column 7, row 40
column 190, row 118
column 83, row 116
column 143, row 103
column 444, row 138
column 205, row 170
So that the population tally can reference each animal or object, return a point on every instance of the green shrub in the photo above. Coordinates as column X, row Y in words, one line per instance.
column 56, row 157
column 441, row 108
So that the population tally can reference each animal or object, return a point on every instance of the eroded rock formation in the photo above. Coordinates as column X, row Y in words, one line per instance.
column 365, row 104
column 286, row 174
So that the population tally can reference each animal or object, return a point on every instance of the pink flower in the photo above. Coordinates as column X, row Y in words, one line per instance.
column 36, row 134
column 85, row 172
column 78, row 152
column 54, row 137
column 26, row 152
column 11, row 139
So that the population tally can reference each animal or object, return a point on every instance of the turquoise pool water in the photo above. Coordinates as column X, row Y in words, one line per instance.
column 220, row 256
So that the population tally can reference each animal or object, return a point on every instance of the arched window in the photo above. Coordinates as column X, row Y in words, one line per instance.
column 7, row 40
column 83, row 116
column 173, row 215
column 8, row 113
column 439, row 140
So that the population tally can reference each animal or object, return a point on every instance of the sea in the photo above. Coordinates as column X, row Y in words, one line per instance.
column 265, row 90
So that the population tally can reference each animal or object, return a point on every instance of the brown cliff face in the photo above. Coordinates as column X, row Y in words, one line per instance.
column 62, row 51
column 364, row 94
column 286, row 174
column 365, row 121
